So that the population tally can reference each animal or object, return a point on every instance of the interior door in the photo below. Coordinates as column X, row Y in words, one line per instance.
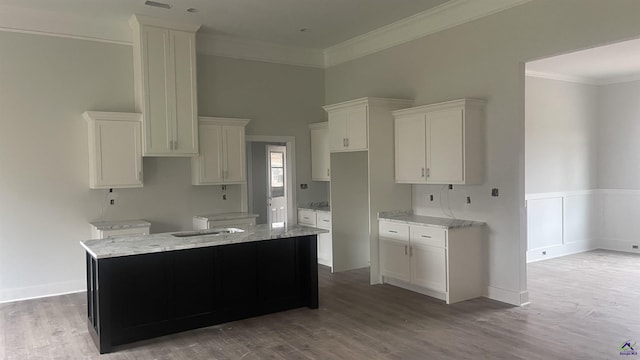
column 276, row 184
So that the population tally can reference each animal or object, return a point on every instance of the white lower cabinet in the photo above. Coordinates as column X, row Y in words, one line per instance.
column 448, row 264
column 320, row 219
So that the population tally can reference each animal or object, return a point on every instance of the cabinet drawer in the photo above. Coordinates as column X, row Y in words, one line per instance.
column 394, row 230
column 429, row 236
column 323, row 220
column 307, row 217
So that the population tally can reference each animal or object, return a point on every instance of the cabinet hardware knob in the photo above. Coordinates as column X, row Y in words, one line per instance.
column 393, row 231
column 405, row 249
column 426, row 236
column 422, row 172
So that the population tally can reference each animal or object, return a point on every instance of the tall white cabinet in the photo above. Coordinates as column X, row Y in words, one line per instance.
column 115, row 151
column 362, row 180
column 165, row 85
column 222, row 158
column 440, row 143
column 348, row 127
column 320, row 155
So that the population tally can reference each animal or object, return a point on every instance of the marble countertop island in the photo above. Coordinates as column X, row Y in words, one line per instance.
column 153, row 243
column 408, row 217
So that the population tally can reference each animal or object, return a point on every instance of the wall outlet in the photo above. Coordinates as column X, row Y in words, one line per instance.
column 450, row 187
column 494, row 192
column 431, row 197
column 544, row 253
column 468, row 199
column 634, row 246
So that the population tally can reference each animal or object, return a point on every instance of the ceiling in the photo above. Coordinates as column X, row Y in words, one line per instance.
column 607, row 64
column 327, row 22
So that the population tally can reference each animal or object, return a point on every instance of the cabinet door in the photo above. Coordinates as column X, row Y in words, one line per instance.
column 320, row 156
column 325, row 249
column 410, row 146
column 445, row 149
column 234, row 155
column 116, row 155
column 157, row 118
column 429, row 267
column 357, row 129
column 338, row 129
column 306, row 217
column 209, row 164
column 185, row 108
column 394, row 259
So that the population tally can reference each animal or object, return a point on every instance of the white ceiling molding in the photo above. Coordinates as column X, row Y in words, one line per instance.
column 561, row 77
column 237, row 48
column 442, row 17
column 36, row 21
column 582, row 79
column 445, row 16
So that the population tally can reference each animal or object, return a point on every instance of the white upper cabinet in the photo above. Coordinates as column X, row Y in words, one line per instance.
column 348, row 126
column 440, row 143
column 115, row 150
column 320, row 155
column 165, row 85
column 222, row 158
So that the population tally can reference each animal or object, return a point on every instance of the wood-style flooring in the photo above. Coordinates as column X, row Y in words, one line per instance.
column 583, row 306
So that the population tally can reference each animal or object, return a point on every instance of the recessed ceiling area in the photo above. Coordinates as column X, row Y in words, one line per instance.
column 328, row 22
column 618, row 62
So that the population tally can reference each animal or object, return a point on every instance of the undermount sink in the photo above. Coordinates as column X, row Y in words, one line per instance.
column 222, row 231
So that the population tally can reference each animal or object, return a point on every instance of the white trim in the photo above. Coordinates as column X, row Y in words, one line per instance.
column 291, row 174
column 232, row 47
column 508, row 296
column 445, row 16
column 581, row 79
column 623, row 245
column 561, row 77
column 450, row 14
column 537, row 196
column 49, row 23
column 41, row 291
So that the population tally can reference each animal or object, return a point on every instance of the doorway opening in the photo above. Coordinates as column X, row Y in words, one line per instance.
column 581, row 129
column 270, row 190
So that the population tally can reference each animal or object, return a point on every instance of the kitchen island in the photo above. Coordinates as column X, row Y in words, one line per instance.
column 141, row 287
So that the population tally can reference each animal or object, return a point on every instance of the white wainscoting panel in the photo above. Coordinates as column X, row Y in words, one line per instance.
column 560, row 224
column 620, row 220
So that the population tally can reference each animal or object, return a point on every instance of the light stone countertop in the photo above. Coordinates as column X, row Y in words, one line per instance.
column 120, row 224
column 408, row 217
column 316, row 206
column 154, row 243
column 227, row 216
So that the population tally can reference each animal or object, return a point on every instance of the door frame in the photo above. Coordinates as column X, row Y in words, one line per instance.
column 290, row 161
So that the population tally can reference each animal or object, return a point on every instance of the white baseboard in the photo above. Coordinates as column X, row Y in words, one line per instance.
column 534, row 255
column 40, row 291
column 517, row 298
column 620, row 245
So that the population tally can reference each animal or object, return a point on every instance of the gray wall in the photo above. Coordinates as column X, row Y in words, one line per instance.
column 280, row 99
column 619, row 130
column 485, row 59
column 258, row 188
column 561, row 135
column 45, row 204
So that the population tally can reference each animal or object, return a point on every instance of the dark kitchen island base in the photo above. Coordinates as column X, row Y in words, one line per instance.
column 131, row 298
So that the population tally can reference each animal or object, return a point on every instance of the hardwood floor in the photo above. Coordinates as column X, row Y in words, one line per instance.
column 583, row 306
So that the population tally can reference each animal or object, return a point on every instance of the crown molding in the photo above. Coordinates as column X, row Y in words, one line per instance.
column 233, row 47
column 447, row 15
column 41, row 22
column 450, row 14
column 561, row 77
column 582, row 79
